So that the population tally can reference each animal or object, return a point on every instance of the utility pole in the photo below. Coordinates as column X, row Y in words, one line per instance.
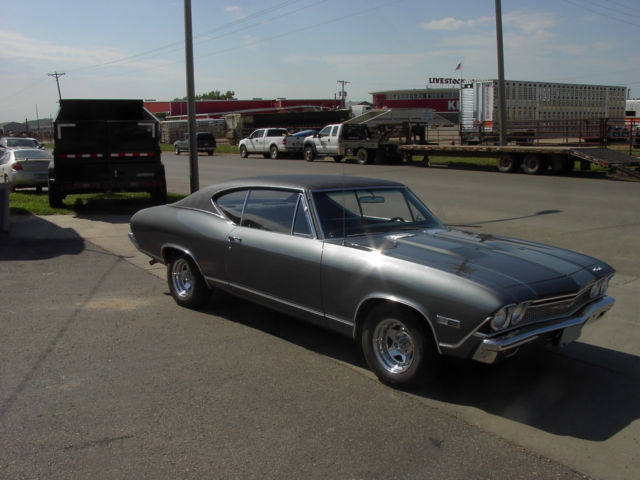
column 191, row 103
column 502, row 109
column 57, row 75
column 342, row 93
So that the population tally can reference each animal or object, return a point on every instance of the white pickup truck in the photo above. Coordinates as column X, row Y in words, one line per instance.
column 340, row 140
column 267, row 141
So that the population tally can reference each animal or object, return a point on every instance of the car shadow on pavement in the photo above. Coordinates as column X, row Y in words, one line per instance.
column 34, row 238
column 581, row 391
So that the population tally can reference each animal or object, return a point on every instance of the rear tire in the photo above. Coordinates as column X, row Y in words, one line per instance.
column 186, row 285
column 362, row 156
column 55, row 198
column 534, row 164
column 274, row 153
column 398, row 347
column 508, row 163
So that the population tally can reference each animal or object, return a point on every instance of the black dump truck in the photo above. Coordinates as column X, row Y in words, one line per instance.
column 106, row 146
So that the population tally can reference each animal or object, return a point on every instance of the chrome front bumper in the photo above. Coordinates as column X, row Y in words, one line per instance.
column 490, row 348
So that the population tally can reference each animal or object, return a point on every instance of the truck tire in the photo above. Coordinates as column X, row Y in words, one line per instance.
column 274, row 153
column 534, row 164
column 309, row 153
column 363, row 156
column 159, row 196
column 55, row 198
column 176, row 150
column 243, row 152
column 508, row 163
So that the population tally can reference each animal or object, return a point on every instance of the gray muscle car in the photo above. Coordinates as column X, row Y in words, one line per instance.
column 367, row 258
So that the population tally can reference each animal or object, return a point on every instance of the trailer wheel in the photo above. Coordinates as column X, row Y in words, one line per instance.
column 534, row 164
column 309, row 153
column 508, row 163
column 363, row 156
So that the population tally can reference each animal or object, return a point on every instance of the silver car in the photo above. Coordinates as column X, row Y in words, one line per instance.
column 25, row 167
column 366, row 258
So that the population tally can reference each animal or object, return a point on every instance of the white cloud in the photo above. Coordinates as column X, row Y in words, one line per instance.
column 18, row 46
column 452, row 24
column 236, row 12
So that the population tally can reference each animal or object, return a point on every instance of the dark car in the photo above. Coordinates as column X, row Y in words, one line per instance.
column 206, row 143
column 366, row 258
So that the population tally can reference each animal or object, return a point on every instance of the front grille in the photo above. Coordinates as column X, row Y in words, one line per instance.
column 549, row 309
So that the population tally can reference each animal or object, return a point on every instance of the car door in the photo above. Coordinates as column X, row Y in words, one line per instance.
column 332, row 141
column 324, row 140
column 274, row 257
column 256, row 142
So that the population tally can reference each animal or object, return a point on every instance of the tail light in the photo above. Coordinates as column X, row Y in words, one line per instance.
column 17, row 166
column 284, row 140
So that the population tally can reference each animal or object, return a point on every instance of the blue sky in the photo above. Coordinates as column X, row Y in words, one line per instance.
column 301, row 48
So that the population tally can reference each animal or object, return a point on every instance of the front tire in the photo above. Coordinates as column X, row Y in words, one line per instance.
column 243, row 152
column 398, row 347
column 186, row 284
column 309, row 153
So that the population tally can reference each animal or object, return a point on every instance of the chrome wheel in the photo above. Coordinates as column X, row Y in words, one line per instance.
column 393, row 345
column 182, row 278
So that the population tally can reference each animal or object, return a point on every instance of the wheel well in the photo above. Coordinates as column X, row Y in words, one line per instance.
column 370, row 304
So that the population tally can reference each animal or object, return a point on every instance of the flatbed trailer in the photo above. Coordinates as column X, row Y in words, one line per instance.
column 532, row 159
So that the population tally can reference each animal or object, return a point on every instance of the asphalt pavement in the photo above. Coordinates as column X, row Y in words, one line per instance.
column 103, row 376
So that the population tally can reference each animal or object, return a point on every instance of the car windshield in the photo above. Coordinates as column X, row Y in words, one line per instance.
column 376, row 210
column 21, row 142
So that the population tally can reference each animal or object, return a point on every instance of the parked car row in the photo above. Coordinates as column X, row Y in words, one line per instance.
column 24, row 162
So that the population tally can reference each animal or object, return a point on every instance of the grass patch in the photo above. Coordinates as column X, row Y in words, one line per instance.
column 29, row 202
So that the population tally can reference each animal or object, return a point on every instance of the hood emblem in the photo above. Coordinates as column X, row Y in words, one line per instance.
column 596, row 269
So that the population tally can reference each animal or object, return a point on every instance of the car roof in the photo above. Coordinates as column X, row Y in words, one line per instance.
column 297, row 182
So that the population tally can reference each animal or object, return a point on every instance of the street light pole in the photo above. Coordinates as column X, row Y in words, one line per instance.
column 502, row 110
column 191, row 104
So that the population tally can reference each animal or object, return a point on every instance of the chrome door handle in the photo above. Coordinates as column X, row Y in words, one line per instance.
column 233, row 239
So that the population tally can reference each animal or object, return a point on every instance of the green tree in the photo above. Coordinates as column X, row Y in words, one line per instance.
column 212, row 95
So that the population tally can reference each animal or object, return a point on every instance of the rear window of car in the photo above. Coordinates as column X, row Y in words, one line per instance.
column 36, row 154
column 276, row 132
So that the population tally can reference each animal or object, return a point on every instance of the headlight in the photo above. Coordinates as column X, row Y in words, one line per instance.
column 599, row 288
column 501, row 319
column 518, row 313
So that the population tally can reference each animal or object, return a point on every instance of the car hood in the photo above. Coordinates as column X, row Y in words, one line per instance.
column 504, row 264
